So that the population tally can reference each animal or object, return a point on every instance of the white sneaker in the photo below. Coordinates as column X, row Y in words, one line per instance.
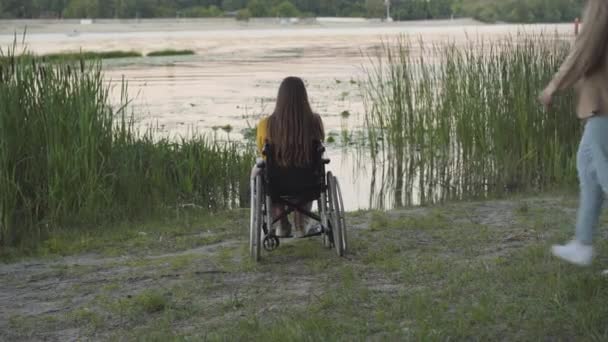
column 574, row 252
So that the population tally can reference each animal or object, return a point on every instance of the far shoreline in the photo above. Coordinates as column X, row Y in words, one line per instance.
column 77, row 27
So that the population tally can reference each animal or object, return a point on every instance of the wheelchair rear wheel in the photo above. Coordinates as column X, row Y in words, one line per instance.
column 257, row 218
column 336, row 215
column 323, row 212
column 339, row 209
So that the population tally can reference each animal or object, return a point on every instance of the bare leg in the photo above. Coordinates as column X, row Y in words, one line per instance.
column 301, row 220
column 278, row 210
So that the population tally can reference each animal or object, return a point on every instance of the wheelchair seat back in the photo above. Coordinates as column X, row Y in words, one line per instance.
column 301, row 182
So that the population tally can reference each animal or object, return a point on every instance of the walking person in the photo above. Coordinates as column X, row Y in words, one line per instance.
column 586, row 70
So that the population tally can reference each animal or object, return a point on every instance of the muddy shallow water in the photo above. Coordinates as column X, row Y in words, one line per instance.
column 233, row 78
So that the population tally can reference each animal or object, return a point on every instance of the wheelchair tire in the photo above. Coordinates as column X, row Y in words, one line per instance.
column 323, row 209
column 326, row 218
column 341, row 214
column 334, row 215
column 257, row 218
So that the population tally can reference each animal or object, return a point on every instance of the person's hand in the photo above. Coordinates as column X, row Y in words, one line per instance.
column 546, row 98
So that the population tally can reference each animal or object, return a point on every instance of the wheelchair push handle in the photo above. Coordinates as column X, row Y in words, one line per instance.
column 322, row 150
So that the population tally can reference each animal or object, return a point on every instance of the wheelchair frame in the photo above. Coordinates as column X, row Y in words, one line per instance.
column 330, row 206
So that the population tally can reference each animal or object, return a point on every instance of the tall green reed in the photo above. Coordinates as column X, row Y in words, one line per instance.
column 455, row 122
column 69, row 158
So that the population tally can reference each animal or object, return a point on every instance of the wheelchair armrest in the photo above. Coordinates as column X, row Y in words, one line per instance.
column 326, row 161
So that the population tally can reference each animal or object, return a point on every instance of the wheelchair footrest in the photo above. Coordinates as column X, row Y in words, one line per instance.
column 312, row 235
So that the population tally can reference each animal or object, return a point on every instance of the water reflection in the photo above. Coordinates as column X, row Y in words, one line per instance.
column 375, row 183
column 233, row 80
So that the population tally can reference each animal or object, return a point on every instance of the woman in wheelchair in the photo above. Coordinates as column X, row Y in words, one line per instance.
column 290, row 176
column 291, row 130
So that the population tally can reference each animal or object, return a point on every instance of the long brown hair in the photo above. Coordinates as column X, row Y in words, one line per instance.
column 589, row 53
column 293, row 126
column 595, row 20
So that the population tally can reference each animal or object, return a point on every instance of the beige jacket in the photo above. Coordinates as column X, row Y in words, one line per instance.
column 586, row 67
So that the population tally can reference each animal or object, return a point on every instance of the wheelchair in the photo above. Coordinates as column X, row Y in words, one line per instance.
column 293, row 188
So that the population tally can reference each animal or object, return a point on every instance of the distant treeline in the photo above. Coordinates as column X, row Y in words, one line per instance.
column 486, row 10
column 522, row 11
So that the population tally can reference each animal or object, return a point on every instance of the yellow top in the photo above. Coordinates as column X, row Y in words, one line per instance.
column 262, row 134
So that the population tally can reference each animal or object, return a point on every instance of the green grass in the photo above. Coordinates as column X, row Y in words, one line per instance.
column 69, row 56
column 151, row 301
column 170, row 52
column 98, row 55
column 70, row 159
column 90, row 55
column 166, row 231
column 452, row 279
column 464, row 271
column 225, row 128
column 464, row 121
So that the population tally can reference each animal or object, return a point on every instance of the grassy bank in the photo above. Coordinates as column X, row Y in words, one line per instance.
column 170, row 52
column 61, row 57
column 68, row 158
column 462, row 122
column 465, row 271
column 90, row 55
column 93, row 55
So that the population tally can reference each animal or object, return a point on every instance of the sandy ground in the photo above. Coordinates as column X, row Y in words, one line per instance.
column 87, row 296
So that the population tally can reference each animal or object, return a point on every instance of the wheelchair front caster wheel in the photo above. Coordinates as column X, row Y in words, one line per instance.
column 271, row 243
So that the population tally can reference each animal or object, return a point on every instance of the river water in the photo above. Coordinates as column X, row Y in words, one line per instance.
column 233, row 78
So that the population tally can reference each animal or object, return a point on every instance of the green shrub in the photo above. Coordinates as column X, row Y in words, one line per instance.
column 243, row 15
column 285, row 10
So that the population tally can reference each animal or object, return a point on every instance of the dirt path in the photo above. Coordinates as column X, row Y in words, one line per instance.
column 205, row 291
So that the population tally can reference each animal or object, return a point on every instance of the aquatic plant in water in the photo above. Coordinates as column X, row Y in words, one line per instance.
column 451, row 122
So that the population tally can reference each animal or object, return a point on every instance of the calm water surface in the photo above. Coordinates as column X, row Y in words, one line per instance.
column 233, row 78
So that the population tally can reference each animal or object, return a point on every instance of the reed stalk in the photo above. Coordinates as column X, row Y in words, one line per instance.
column 68, row 158
column 459, row 122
